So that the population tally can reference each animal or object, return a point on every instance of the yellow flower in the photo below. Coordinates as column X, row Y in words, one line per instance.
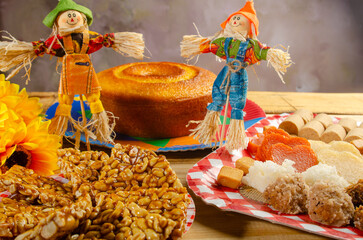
column 23, row 106
column 24, row 137
column 30, row 146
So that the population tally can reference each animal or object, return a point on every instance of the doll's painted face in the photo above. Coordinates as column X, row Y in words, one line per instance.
column 239, row 23
column 70, row 19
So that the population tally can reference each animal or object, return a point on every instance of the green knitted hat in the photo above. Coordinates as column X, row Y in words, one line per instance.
column 65, row 5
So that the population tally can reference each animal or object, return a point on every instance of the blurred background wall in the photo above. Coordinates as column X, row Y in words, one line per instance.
column 324, row 36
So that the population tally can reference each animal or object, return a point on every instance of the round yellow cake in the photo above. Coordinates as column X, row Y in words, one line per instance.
column 156, row 99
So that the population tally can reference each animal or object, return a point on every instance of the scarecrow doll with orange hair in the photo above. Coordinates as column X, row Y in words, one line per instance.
column 72, row 42
column 237, row 44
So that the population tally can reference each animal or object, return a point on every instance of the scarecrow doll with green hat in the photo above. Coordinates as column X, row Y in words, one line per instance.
column 237, row 44
column 72, row 42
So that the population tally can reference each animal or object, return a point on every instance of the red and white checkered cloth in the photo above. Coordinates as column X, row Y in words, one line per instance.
column 202, row 177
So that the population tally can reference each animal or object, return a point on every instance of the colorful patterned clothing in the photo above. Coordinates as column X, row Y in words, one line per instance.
column 78, row 75
column 53, row 47
column 233, row 79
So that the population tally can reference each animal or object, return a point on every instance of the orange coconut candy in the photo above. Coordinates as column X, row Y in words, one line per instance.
column 303, row 156
column 277, row 145
column 254, row 143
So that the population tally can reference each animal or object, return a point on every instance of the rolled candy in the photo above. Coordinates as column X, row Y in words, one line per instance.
column 292, row 124
column 354, row 134
column 348, row 123
column 334, row 132
column 358, row 143
column 325, row 119
column 312, row 130
column 305, row 114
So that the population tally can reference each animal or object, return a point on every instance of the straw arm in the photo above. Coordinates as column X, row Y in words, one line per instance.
column 190, row 46
column 279, row 60
column 16, row 55
column 129, row 44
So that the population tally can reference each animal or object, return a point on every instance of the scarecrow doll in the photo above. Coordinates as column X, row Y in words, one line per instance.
column 72, row 42
column 237, row 44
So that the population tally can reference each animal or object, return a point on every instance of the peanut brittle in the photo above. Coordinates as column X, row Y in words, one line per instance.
column 61, row 221
column 132, row 194
column 34, row 188
column 146, row 213
column 23, row 220
column 17, row 217
column 128, row 168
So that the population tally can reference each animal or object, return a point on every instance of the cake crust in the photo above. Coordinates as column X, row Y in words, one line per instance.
column 156, row 100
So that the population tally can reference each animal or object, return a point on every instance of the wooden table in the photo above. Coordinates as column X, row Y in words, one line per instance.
column 213, row 223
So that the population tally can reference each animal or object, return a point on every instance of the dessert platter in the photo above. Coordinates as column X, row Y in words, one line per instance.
column 206, row 178
column 301, row 170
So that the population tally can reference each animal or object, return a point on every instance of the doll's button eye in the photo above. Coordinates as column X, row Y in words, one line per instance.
column 238, row 18
column 234, row 18
column 69, row 15
column 74, row 15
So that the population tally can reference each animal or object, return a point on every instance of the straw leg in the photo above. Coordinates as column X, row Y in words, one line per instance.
column 224, row 122
column 61, row 141
column 78, row 139
column 85, row 123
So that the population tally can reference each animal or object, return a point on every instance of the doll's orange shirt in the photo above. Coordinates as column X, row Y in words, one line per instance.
column 78, row 75
column 53, row 47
